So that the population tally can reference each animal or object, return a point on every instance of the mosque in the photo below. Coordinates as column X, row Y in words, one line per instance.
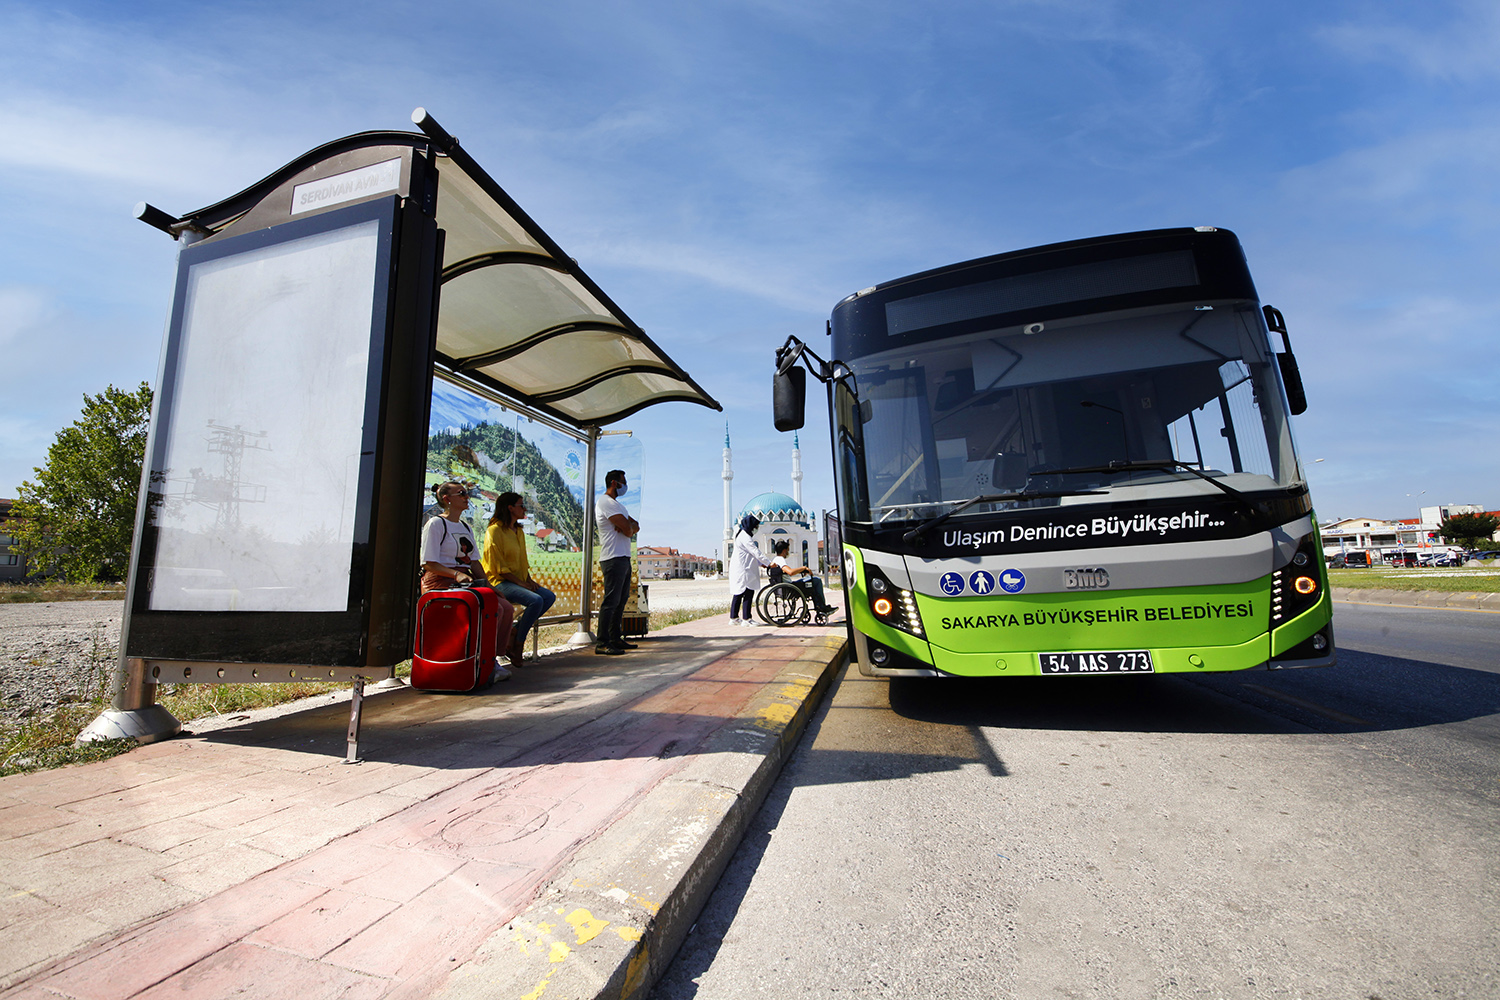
column 781, row 516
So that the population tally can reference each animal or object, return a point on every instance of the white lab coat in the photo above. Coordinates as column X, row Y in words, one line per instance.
column 744, row 568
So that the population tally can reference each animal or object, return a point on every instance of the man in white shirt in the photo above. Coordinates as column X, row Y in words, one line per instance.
column 616, row 529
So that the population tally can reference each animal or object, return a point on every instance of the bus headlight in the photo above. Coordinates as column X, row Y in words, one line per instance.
column 1295, row 586
column 892, row 605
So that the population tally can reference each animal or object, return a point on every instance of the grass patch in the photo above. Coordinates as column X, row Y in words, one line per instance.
column 35, row 593
column 662, row 619
column 198, row 701
column 47, row 742
column 1454, row 579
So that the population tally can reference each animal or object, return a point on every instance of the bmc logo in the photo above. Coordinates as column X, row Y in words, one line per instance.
column 1085, row 579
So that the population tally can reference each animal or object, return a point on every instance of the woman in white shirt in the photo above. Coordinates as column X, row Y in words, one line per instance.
column 744, row 572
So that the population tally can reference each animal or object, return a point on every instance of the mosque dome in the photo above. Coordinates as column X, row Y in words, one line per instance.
column 773, row 507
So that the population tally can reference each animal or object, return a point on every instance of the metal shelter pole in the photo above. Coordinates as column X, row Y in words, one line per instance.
column 356, row 703
column 584, row 637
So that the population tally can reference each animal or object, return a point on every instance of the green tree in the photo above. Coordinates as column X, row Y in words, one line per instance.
column 77, row 519
column 1468, row 530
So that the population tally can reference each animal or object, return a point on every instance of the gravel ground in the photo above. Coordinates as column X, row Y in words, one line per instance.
column 54, row 653
column 672, row 595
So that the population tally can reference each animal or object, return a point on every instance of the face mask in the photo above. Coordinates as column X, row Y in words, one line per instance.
column 620, row 490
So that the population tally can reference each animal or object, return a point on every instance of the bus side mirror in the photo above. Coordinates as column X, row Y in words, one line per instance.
column 789, row 398
column 1291, row 375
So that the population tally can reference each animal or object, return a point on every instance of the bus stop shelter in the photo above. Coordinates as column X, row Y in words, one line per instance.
column 311, row 312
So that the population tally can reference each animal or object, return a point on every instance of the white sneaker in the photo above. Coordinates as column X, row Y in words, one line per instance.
column 753, row 623
column 501, row 673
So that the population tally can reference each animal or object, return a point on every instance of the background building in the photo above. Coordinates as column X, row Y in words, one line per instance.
column 12, row 566
column 661, row 563
column 1387, row 539
column 782, row 517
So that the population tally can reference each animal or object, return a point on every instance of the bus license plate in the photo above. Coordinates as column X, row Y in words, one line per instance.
column 1110, row 661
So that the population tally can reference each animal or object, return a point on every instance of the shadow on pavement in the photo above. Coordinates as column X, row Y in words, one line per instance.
column 569, row 706
column 1365, row 692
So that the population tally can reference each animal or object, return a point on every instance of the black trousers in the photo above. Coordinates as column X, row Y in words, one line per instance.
column 616, row 573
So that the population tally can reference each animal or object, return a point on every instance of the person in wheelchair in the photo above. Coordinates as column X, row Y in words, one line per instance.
column 782, row 570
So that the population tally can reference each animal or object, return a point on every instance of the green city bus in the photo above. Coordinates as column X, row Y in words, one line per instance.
column 1072, row 459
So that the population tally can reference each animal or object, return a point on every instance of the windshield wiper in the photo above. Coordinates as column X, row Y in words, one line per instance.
column 1158, row 465
column 1022, row 494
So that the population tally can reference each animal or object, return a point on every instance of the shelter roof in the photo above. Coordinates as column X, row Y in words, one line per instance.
column 517, row 316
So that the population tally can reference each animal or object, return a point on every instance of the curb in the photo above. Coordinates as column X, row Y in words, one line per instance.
column 1450, row 600
column 611, row 920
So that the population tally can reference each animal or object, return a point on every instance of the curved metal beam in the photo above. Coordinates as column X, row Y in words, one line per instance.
column 522, row 346
column 674, row 397
column 496, row 257
column 215, row 215
column 555, row 394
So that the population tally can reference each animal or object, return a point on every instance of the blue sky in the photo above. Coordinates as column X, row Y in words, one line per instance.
column 729, row 171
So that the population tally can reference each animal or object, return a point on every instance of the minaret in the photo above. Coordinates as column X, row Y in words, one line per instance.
column 796, row 469
column 728, row 502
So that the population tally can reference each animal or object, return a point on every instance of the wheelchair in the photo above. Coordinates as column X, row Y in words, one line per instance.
column 785, row 603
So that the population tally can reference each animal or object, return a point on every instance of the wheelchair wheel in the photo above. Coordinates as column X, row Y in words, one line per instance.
column 783, row 604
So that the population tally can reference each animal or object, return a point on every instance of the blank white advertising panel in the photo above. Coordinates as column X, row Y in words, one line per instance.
column 262, row 455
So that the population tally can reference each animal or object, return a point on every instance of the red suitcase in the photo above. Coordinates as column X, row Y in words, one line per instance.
column 455, row 644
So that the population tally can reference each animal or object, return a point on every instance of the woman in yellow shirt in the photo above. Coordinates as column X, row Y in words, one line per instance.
column 509, row 571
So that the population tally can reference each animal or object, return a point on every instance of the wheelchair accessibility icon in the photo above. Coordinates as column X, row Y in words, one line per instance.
column 952, row 584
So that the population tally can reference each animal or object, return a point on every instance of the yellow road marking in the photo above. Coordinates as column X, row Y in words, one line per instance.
column 585, row 925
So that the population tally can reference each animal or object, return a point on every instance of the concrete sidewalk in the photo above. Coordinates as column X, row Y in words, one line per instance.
column 553, row 836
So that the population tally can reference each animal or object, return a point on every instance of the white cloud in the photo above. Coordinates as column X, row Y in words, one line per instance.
column 23, row 446
column 1417, row 177
column 1463, row 49
column 21, row 309
column 60, row 139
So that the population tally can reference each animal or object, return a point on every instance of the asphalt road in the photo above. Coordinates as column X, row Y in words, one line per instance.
column 1312, row 833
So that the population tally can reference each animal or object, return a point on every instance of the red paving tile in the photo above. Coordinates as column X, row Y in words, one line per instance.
column 143, row 958
column 401, row 876
column 322, row 924
column 266, row 974
column 436, row 927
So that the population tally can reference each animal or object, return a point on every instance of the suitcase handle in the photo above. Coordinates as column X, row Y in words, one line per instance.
column 450, row 663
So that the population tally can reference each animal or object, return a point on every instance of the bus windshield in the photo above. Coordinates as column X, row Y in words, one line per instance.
column 943, row 421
